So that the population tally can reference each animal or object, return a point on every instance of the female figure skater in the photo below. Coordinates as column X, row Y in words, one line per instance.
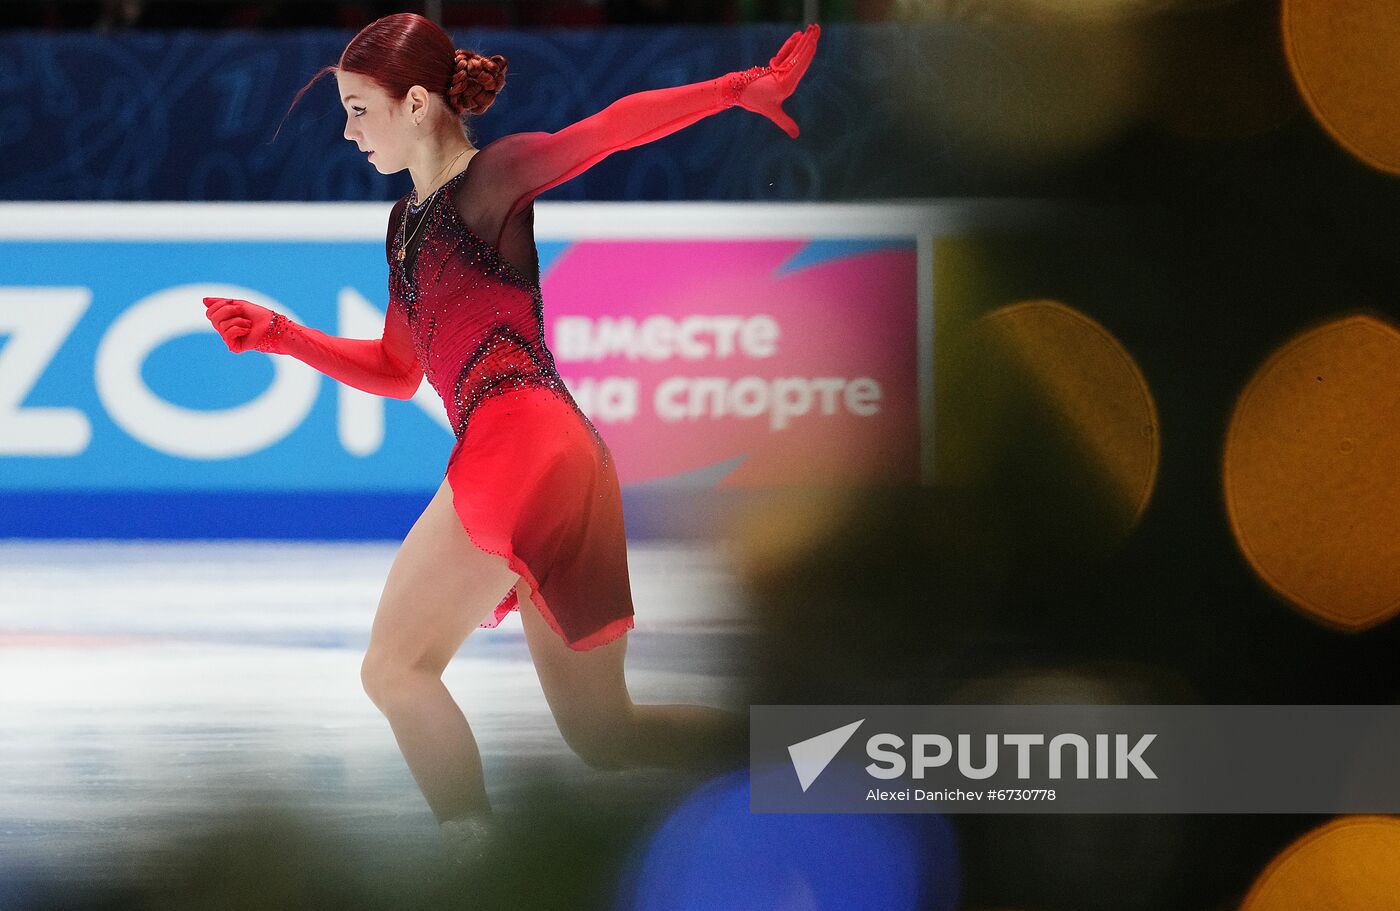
column 529, row 514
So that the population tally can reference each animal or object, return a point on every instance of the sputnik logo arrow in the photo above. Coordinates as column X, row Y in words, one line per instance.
column 811, row 756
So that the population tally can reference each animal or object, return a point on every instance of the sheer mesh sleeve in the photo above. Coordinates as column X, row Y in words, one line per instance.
column 532, row 163
column 496, row 202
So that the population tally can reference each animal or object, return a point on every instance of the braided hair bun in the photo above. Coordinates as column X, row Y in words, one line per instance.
column 475, row 81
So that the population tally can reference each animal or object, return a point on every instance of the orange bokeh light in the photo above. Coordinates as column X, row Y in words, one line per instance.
column 1344, row 59
column 1348, row 864
column 1310, row 472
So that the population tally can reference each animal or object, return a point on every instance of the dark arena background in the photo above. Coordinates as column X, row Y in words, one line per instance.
column 1055, row 361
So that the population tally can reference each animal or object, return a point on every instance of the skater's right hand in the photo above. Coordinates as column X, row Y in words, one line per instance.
column 241, row 324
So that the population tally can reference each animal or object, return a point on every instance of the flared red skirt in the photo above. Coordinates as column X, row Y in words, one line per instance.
column 531, row 482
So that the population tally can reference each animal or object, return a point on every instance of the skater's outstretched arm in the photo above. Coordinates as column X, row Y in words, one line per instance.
column 531, row 163
column 385, row 366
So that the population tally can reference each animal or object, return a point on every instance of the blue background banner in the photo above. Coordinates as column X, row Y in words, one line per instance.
column 189, row 367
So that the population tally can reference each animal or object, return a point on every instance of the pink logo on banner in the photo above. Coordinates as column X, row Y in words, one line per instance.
column 710, row 363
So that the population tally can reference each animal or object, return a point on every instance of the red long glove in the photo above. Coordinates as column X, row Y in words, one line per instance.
column 533, row 162
column 386, row 366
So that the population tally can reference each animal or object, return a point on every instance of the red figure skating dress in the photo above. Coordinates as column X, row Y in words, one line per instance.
column 531, row 478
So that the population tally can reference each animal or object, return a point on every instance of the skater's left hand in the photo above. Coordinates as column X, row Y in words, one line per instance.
column 766, row 94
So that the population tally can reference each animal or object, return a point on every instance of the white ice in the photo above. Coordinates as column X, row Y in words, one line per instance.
column 147, row 686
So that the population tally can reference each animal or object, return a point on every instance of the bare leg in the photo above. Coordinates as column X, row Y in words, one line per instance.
column 439, row 589
column 588, row 695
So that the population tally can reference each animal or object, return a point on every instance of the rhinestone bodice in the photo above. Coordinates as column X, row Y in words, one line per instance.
column 477, row 321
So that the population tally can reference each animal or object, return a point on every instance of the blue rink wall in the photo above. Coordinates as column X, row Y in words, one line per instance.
column 296, row 514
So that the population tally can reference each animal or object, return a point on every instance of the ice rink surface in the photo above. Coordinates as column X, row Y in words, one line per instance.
column 147, row 687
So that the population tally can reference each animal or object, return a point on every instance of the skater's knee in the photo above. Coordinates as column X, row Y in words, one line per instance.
column 601, row 744
column 375, row 677
column 387, row 679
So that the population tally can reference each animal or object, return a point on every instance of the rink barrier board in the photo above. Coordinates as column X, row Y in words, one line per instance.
column 68, row 504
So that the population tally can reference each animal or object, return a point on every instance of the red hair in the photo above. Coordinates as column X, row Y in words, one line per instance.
column 406, row 49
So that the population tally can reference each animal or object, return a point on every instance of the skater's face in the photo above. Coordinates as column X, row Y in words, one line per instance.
column 380, row 127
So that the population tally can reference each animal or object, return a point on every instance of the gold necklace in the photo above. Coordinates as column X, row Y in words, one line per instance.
column 440, row 173
column 404, row 244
